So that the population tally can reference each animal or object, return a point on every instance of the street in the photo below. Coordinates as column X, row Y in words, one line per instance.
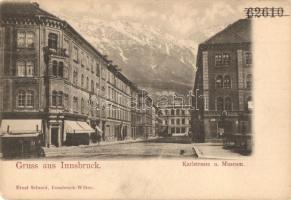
column 171, row 147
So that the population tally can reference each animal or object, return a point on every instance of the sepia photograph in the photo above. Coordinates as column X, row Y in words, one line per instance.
column 144, row 99
column 84, row 83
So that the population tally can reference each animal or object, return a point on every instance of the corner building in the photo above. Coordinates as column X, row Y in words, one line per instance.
column 222, row 99
column 54, row 82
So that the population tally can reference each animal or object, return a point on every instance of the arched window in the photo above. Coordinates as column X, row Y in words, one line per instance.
column 21, row 98
column 52, row 41
column 60, row 98
column 249, row 81
column 54, row 98
column 227, row 82
column 218, row 82
column 82, row 81
column 228, row 103
column 82, row 106
column 219, row 104
column 55, row 68
column 30, row 98
column 61, row 69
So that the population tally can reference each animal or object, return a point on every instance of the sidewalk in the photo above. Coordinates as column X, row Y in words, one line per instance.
column 214, row 151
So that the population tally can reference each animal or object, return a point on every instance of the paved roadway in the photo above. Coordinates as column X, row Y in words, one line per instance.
column 160, row 148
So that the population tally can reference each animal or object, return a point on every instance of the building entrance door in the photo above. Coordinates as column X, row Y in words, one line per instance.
column 54, row 136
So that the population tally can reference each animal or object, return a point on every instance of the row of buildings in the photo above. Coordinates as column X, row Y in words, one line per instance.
column 222, row 101
column 55, row 85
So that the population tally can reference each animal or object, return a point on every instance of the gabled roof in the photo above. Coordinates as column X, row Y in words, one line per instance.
column 22, row 9
column 238, row 32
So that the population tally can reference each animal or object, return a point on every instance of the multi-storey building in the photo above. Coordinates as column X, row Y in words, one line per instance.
column 177, row 119
column 223, row 81
column 55, row 82
column 118, row 123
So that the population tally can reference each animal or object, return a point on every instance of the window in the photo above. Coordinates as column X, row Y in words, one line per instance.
column 222, row 59
column 172, row 112
column 219, row 104
column 55, row 68
column 25, row 68
column 249, row 81
column 29, row 39
column 178, row 121
column 66, row 102
column 66, row 46
column 54, row 98
column 60, row 98
column 20, row 68
column 227, row 82
column 167, row 112
column 178, row 111
column 183, row 130
column 183, row 112
column 52, row 41
column 29, row 98
column 75, row 54
column 75, row 104
column 82, row 81
column 172, row 121
column 87, row 83
column 228, row 103
column 61, row 69
column 25, row 98
column 21, row 98
column 97, row 69
column 248, row 58
column 82, row 106
column 183, row 121
column 21, row 39
column 218, row 82
column 178, row 130
column 172, row 130
column 25, row 39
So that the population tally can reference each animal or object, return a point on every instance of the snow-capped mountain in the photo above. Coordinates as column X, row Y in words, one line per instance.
column 149, row 57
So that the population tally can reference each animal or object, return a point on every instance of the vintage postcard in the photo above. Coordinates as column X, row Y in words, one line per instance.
column 145, row 99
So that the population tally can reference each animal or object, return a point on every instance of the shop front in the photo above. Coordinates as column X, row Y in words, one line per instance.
column 21, row 138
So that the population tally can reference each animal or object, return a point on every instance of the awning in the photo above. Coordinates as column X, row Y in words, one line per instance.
column 86, row 127
column 21, row 126
column 20, row 135
column 77, row 127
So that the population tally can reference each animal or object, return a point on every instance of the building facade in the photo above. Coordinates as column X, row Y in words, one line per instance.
column 223, row 82
column 176, row 118
column 53, row 77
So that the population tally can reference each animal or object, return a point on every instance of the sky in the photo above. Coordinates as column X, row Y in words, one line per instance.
column 184, row 19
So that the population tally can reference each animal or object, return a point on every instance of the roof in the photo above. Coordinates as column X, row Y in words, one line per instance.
column 22, row 9
column 238, row 32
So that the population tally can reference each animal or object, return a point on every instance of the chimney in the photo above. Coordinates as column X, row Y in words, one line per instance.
column 35, row 4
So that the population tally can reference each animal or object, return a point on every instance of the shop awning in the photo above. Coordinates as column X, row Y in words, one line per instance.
column 21, row 135
column 22, row 126
column 86, row 127
column 77, row 127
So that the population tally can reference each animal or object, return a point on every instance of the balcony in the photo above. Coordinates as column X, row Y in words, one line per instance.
column 59, row 52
